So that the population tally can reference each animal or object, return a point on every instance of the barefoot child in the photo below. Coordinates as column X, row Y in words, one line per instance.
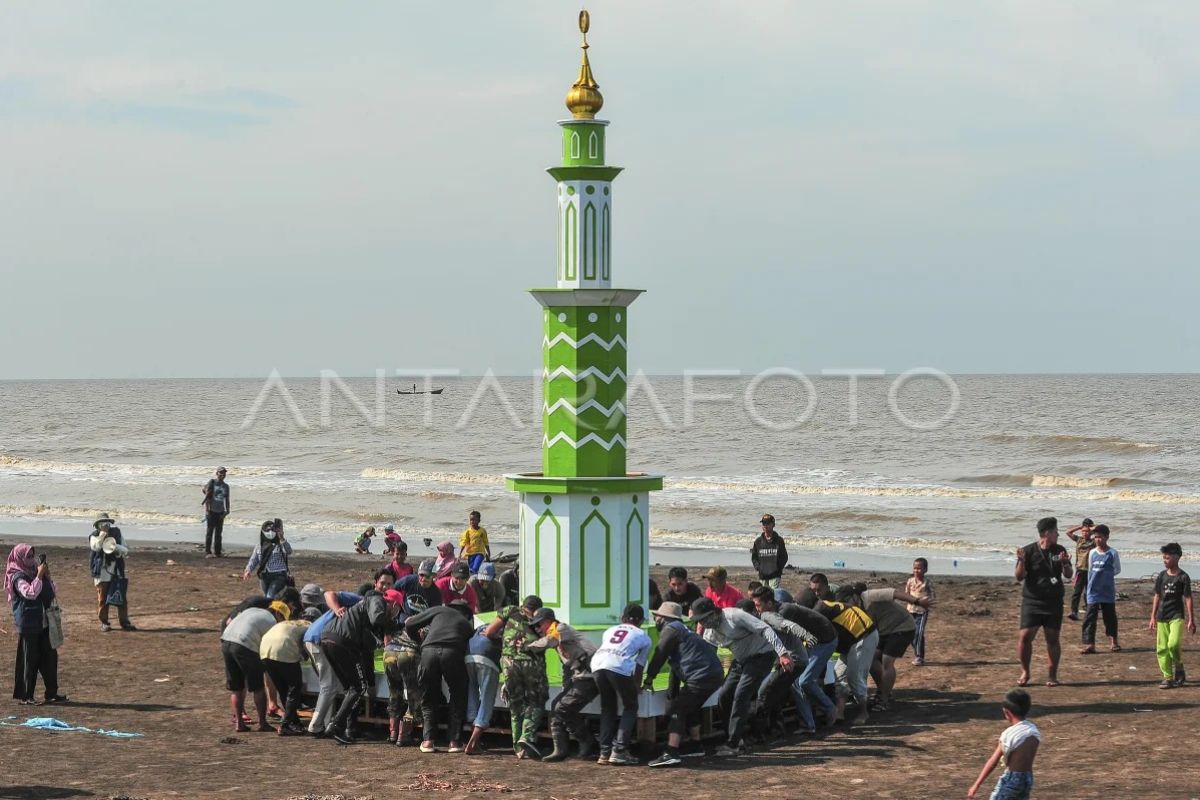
column 1104, row 565
column 1017, row 749
column 920, row 587
column 1172, row 599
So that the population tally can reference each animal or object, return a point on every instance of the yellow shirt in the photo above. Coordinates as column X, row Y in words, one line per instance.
column 474, row 542
column 282, row 642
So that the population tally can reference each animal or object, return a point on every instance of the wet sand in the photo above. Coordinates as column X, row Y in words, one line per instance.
column 1108, row 731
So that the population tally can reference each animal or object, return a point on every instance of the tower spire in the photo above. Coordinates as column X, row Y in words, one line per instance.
column 584, row 98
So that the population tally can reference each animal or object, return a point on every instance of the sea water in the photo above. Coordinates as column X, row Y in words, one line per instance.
column 874, row 483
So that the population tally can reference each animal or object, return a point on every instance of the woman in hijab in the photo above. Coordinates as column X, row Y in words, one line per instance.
column 108, row 565
column 30, row 591
column 269, row 561
column 445, row 562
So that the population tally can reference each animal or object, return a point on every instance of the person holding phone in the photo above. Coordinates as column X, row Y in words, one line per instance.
column 1044, row 567
column 30, row 592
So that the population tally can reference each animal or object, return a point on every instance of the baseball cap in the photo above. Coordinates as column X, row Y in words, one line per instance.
column 389, row 528
column 426, row 567
column 461, row 570
column 394, row 596
column 720, row 573
column 542, row 615
column 487, row 571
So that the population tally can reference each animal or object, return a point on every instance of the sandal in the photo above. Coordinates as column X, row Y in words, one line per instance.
column 1116, row 648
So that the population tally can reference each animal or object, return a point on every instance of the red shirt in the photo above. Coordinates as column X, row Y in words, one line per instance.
column 449, row 593
column 727, row 598
column 399, row 570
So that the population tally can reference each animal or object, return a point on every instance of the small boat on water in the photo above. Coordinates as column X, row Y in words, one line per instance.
column 414, row 391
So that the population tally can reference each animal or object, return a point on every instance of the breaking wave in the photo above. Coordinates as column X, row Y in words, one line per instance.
column 200, row 473
column 1073, row 444
column 72, row 512
column 412, row 476
column 1055, row 481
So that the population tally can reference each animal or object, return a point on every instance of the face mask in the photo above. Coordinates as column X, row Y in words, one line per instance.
column 659, row 623
column 269, row 535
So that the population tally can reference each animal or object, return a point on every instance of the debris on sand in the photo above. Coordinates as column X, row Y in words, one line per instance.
column 124, row 797
column 429, row 782
column 332, row 797
column 232, row 740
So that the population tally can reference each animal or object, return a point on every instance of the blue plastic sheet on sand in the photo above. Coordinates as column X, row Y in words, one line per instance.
column 58, row 726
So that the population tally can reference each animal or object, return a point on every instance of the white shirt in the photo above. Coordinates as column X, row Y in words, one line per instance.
column 1014, row 736
column 622, row 650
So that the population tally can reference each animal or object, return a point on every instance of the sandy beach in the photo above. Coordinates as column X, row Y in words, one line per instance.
column 165, row 681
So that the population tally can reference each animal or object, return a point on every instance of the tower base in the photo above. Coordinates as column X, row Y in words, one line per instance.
column 585, row 543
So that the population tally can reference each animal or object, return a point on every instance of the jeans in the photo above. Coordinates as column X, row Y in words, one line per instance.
column 740, row 689
column 273, row 583
column 918, row 643
column 483, row 681
column 614, row 686
column 1013, row 786
column 809, row 685
column 330, row 687
column 1170, row 646
column 213, row 524
column 855, row 666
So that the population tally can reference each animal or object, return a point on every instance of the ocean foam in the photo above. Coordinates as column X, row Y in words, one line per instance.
column 416, row 476
column 200, row 473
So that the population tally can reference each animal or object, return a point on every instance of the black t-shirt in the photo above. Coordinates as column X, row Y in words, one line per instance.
column 1172, row 589
column 1043, row 591
column 691, row 593
column 812, row 621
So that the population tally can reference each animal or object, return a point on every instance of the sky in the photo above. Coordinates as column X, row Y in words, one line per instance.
column 228, row 189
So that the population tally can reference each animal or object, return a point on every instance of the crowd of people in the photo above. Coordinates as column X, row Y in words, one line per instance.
column 444, row 671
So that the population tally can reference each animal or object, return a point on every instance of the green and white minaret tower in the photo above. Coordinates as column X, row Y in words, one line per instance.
column 585, row 521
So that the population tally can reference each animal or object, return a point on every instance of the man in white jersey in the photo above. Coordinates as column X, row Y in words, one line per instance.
column 617, row 666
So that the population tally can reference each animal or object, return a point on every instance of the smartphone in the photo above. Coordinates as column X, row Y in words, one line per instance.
column 41, row 558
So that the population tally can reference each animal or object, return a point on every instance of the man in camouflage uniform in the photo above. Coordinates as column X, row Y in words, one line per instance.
column 401, row 657
column 578, row 683
column 526, row 687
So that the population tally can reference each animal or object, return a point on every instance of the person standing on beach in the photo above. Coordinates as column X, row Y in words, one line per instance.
column 473, row 544
column 1172, row 598
column 216, row 508
column 768, row 554
column 722, row 594
column 1104, row 565
column 1042, row 566
column 269, row 561
column 1081, row 535
column 399, row 566
column 108, row 565
column 1017, row 749
column 31, row 593
column 920, row 587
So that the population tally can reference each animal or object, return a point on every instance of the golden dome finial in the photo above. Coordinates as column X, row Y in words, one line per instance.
column 584, row 98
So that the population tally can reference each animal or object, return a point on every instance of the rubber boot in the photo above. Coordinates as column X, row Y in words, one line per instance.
column 393, row 730
column 562, row 743
column 587, row 742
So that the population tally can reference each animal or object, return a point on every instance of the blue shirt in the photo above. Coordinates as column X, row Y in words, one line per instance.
column 313, row 634
column 1103, row 569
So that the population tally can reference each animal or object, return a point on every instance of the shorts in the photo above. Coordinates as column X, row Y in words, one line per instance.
column 1013, row 786
column 691, row 698
column 895, row 644
column 243, row 668
column 1036, row 618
